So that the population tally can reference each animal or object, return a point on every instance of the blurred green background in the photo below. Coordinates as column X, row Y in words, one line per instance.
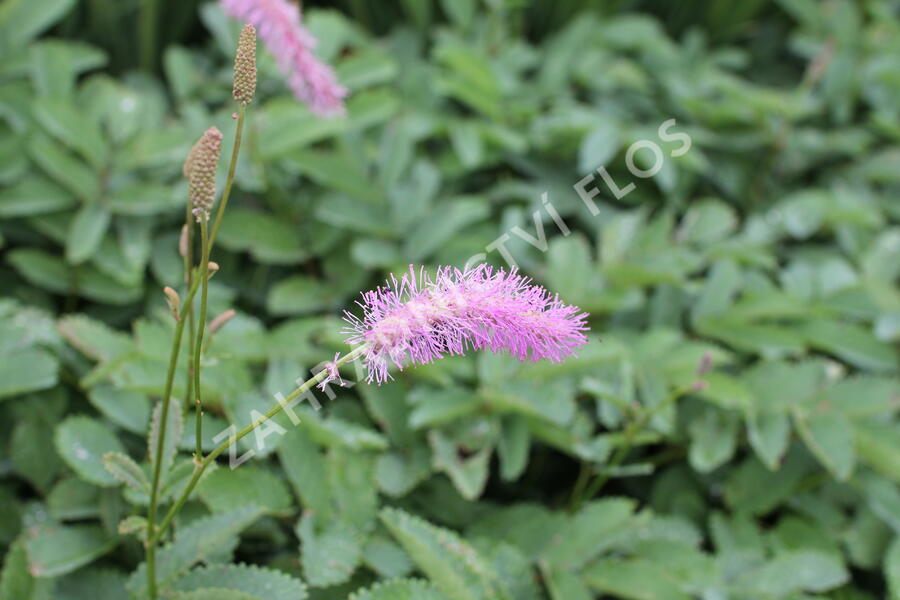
column 764, row 262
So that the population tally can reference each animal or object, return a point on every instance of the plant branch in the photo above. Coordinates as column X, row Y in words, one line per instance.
column 203, row 464
column 232, row 167
column 203, row 274
column 164, row 416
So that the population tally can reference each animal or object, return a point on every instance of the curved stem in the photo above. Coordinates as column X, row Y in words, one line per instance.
column 201, row 466
column 232, row 167
column 154, row 533
column 188, row 276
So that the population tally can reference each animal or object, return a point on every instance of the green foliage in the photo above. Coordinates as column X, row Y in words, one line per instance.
column 261, row 584
column 739, row 395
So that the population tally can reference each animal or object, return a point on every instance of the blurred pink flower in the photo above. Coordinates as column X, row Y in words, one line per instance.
column 419, row 319
column 279, row 27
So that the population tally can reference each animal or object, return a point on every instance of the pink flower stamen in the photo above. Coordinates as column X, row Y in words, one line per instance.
column 418, row 319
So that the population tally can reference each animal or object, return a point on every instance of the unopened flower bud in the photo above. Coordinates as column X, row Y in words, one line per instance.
column 201, row 165
column 706, row 363
column 173, row 300
column 183, row 241
column 217, row 323
column 212, row 267
column 245, row 65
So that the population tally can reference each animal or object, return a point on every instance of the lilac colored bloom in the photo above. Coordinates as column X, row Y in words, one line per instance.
column 419, row 319
column 279, row 27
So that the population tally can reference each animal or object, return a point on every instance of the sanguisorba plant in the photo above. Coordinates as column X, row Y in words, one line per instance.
column 415, row 319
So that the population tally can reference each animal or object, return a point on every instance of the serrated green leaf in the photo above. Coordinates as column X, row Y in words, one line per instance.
column 228, row 489
column 513, row 447
column 72, row 128
column 593, row 529
column 127, row 409
column 256, row 582
column 133, row 525
column 830, row 437
column 34, row 196
column 451, row 564
column 21, row 20
column 892, row 568
column 93, row 338
column 27, row 370
column 267, row 238
column 853, row 344
column 769, row 434
column 86, row 232
column 386, row 557
column 204, row 537
column 55, row 550
column 81, row 442
column 633, row 580
column 306, row 470
column 399, row 589
column 215, row 593
column 436, row 407
column 16, row 582
column 529, row 527
column 71, row 498
column 469, row 475
column 123, row 468
column 352, row 483
column 713, row 439
column 329, row 556
column 92, row 583
column 794, row 571
column 28, row 452
column 876, row 445
column 65, row 169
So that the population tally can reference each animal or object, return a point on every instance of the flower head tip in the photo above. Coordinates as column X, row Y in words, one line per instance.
column 245, row 66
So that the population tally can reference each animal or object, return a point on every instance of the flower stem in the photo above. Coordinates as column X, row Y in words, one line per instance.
column 147, row 34
column 154, row 533
column 232, row 167
column 164, row 417
column 203, row 270
column 188, row 276
column 205, row 462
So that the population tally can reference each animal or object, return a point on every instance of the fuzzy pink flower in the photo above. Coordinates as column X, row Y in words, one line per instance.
column 279, row 27
column 419, row 319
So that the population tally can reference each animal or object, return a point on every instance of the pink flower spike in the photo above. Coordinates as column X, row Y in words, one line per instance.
column 418, row 319
column 333, row 374
column 279, row 27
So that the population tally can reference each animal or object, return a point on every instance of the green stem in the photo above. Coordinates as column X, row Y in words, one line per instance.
column 201, row 327
column 188, row 275
column 232, row 167
column 163, row 417
column 148, row 18
column 148, row 8
column 201, row 466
